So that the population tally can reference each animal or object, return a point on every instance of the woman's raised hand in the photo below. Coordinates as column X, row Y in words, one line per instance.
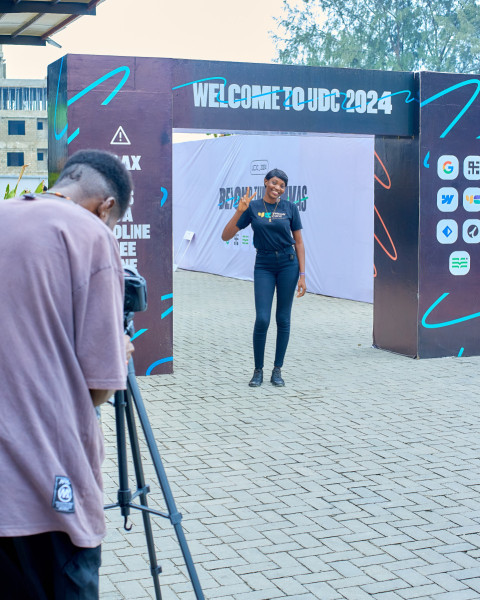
column 245, row 201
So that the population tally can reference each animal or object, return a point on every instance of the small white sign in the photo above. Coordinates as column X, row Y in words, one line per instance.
column 120, row 138
column 259, row 167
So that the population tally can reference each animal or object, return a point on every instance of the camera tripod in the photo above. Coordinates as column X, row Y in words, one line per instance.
column 126, row 500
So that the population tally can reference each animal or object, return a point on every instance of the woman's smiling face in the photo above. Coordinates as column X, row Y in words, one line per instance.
column 274, row 188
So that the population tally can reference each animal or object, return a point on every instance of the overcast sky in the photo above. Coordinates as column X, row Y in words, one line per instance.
column 201, row 29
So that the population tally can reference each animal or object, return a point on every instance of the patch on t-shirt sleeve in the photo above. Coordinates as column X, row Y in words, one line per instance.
column 63, row 495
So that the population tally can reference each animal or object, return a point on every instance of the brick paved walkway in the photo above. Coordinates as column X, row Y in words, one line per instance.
column 359, row 480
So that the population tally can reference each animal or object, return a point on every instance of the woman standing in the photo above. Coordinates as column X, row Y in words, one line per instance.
column 280, row 264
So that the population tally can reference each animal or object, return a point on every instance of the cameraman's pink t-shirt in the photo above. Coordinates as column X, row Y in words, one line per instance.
column 61, row 334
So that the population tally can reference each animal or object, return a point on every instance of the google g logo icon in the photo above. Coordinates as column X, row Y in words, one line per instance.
column 447, row 167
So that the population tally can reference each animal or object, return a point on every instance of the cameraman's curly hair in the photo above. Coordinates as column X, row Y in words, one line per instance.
column 117, row 180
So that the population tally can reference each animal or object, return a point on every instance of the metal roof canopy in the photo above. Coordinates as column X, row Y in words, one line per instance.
column 32, row 22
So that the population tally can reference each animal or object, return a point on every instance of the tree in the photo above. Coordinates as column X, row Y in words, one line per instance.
column 405, row 35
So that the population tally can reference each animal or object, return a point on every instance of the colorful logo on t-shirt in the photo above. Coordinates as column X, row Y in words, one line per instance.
column 270, row 215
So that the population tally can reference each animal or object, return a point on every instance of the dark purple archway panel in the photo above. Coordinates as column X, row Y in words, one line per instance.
column 114, row 106
column 427, row 300
column 396, row 245
column 449, row 256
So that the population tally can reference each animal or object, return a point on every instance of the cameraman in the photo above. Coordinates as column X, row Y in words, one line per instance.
column 63, row 352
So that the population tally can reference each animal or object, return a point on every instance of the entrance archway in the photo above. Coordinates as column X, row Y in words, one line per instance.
column 426, row 302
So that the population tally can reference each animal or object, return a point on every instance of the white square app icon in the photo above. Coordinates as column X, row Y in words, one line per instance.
column 447, row 167
column 471, row 167
column 471, row 231
column 459, row 262
column 447, row 199
column 471, row 199
column 447, row 231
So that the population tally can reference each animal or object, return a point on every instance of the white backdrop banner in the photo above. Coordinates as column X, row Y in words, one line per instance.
column 330, row 179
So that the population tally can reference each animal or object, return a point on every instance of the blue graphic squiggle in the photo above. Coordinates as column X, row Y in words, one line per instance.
column 199, row 81
column 461, row 352
column 96, row 83
column 89, row 88
column 158, row 362
column 445, row 323
column 235, row 204
column 169, row 310
column 137, row 334
column 164, row 197
column 465, row 108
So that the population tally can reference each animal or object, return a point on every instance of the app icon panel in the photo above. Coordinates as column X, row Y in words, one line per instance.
column 471, row 199
column 447, row 231
column 459, row 262
column 471, row 231
column 447, row 166
column 471, row 167
column 447, row 199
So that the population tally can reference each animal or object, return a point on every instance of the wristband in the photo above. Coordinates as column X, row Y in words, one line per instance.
column 302, row 273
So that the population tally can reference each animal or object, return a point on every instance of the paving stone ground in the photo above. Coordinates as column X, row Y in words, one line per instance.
column 358, row 480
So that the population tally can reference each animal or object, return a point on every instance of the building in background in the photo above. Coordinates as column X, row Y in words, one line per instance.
column 23, row 130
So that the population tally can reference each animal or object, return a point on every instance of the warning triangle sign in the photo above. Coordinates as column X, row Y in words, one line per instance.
column 120, row 138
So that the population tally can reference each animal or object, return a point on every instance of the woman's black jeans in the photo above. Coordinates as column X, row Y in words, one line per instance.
column 274, row 269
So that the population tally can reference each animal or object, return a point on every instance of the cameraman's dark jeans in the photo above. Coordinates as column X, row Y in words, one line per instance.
column 47, row 566
column 274, row 269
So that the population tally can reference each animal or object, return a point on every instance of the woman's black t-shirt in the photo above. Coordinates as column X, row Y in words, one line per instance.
column 271, row 229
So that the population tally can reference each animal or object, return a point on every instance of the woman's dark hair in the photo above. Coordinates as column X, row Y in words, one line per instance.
column 112, row 171
column 277, row 173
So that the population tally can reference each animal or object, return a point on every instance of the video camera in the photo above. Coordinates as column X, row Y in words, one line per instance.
column 135, row 296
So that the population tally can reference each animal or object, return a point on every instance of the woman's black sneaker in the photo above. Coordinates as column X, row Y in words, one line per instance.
column 257, row 378
column 276, row 378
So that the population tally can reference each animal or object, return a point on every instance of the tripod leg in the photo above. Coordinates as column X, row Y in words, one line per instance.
column 141, row 485
column 174, row 516
column 124, row 493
